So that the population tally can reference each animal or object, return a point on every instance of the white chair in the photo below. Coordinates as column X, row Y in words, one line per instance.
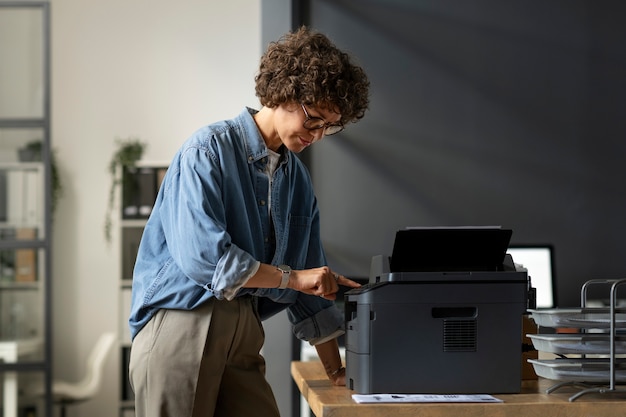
column 67, row 393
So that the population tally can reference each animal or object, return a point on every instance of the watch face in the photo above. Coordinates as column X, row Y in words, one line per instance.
column 284, row 268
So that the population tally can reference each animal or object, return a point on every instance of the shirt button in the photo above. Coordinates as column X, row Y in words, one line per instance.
column 262, row 202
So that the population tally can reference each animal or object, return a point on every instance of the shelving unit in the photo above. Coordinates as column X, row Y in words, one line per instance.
column 25, row 208
column 137, row 196
column 593, row 357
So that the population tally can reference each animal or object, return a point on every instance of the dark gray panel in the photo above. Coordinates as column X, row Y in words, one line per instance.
column 482, row 113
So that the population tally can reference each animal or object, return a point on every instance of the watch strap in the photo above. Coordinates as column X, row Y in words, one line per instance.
column 284, row 280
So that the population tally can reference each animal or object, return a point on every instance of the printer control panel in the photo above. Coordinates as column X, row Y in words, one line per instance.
column 365, row 288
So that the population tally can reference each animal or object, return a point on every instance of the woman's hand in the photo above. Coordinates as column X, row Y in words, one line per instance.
column 322, row 282
column 328, row 353
column 316, row 281
column 338, row 377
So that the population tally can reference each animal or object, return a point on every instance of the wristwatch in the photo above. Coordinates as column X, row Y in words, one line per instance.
column 285, row 270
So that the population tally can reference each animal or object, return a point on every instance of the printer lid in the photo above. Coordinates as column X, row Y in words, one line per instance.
column 467, row 248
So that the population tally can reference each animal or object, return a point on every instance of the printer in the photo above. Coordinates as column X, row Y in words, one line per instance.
column 442, row 315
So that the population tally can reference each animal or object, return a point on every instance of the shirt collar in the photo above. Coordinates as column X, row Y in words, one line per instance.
column 255, row 145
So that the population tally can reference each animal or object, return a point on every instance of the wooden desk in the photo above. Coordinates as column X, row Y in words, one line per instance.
column 329, row 401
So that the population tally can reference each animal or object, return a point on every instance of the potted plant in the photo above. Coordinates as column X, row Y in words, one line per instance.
column 128, row 153
column 32, row 152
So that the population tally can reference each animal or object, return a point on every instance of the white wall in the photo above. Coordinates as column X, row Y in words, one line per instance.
column 153, row 69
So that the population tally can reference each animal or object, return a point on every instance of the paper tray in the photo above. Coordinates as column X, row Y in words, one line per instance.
column 597, row 318
column 582, row 343
column 578, row 370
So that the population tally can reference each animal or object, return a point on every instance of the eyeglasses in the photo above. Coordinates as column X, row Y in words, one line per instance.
column 314, row 123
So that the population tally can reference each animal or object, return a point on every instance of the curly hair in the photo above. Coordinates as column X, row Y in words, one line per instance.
column 305, row 67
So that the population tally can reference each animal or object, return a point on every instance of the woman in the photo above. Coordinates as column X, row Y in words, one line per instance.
column 234, row 237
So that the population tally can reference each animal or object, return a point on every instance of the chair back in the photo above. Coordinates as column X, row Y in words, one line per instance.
column 95, row 362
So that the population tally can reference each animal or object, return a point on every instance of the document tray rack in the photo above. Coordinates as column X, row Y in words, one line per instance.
column 600, row 338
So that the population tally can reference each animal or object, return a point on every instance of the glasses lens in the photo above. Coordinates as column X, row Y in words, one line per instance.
column 332, row 129
column 313, row 123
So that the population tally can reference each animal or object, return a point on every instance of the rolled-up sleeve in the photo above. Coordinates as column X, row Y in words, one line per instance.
column 193, row 202
column 315, row 320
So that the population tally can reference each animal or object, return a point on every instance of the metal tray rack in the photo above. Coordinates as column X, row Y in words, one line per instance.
column 600, row 339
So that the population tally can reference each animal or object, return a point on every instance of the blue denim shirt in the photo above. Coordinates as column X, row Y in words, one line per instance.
column 210, row 228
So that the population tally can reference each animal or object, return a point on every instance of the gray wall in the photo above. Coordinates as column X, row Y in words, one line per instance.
column 482, row 113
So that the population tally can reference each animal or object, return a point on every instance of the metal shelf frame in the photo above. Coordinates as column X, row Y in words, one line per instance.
column 44, row 243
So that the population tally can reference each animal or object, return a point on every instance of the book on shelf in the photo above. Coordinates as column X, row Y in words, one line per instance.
column 127, row 391
column 146, row 178
column 130, row 193
column 140, row 188
column 3, row 196
column 22, row 191
column 7, row 256
column 26, row 259
column 131, row 237
column 160, row 175
column 18, row 265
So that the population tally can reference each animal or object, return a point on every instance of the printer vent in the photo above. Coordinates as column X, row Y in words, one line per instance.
column 459, row 335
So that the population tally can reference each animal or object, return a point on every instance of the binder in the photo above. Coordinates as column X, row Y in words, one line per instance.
column 146, row 180
column 26, row 259
column 7, row 256
column 130, row 193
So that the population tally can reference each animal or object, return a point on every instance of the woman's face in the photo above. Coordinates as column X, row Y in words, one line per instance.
column 289, row 122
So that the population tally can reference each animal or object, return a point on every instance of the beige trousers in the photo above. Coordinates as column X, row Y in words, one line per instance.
column 202, row 363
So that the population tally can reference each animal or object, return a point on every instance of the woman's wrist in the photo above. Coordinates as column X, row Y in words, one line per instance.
column 337, row 372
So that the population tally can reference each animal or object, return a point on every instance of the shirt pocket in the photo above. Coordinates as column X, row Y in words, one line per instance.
column 297, row 244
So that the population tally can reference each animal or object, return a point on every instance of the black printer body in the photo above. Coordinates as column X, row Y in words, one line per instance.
column 437, row 331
